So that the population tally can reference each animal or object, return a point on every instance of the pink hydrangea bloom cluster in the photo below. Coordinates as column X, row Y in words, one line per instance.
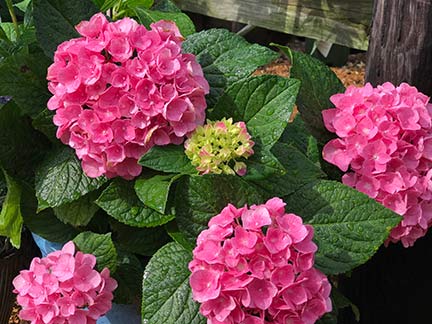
column 64, row 288
column 385, row 139
column 121, row 89
column 255, row 266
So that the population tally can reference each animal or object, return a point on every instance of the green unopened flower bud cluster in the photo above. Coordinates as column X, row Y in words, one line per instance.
column 217, row 146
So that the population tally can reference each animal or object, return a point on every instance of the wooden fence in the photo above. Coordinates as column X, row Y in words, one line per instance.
column 344, row 22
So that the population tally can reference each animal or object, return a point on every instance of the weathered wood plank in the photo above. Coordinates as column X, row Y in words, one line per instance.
column 401, row 44
column 344, row 22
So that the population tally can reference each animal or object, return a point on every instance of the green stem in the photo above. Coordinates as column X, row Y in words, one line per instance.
column 13, row 16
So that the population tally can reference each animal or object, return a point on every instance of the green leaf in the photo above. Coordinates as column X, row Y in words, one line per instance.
column 105, row 5
column 262, row 164
column 153, row 192
column 44, row 224
column 349, row 226
column 43, row 122
column 11, row 220
column 264, row 103
column 22, row 5
column 55, row 21
column 165, row 6
column 22, row 79
column 129, row 272
column 78, row 212
column 199, row 198
column 60, row 179
column 318, row 84
column 101, row 246
column 20, row 145
column 143, row 241
column 170, row 159
column 183, row 22
column 167, row 297
column 177, row 236
column 225, row 58
column 120, row 201
column 299, row 171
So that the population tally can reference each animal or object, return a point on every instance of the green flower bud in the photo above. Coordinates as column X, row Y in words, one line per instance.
column 217, row 146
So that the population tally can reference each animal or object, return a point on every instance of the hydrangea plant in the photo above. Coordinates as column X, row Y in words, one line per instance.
column 113, row 154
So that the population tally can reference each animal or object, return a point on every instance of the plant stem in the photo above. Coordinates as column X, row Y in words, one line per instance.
column 13, row 16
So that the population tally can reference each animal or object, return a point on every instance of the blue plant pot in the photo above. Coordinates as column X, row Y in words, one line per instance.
column 119, row 314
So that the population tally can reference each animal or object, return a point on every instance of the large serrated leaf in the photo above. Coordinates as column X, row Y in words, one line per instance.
column 20, row 145
column 318, row 84
column 60, row 179
column 44, row 224
column 299, row 171
column 153, row 192
column 120, row 201
column 167, row 297
column 101, row 246
column 349, row 226
column 183, row 22
column 78, row 212
column 21, row 79
column 200, row 198
column 170, row 159
column 55, row 21
column 225, row 58
column 264, row 103
column 11, row 219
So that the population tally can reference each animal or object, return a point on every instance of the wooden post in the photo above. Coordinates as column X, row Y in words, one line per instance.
column 400, row 45
column 394, row 287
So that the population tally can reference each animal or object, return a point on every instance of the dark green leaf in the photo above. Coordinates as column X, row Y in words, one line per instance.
column 349, row 226
column 225, row 58
column 167, row 297
column 105, row 5
column 21, row 78
column 78, row 212
column 165, row 6
column 101, row 246
column 11, row 220
column 153, row 192
column 170, row 159
column 120, row 201
column 262, row 164
column 318, row 84
column 183, row 22
column 299, row 171
column 264, row 103
column 20, row 145
column 129, row 272
column 44, row 224
column 199, row 198
column 178, row 237
column 60, row 179
column 143, row 241
column 55, row 21
column 43, row 122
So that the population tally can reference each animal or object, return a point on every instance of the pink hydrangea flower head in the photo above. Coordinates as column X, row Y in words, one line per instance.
column 255, row 265
column 63, row 287
column 217, row 147
column 120, row 89
column 384, row 144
